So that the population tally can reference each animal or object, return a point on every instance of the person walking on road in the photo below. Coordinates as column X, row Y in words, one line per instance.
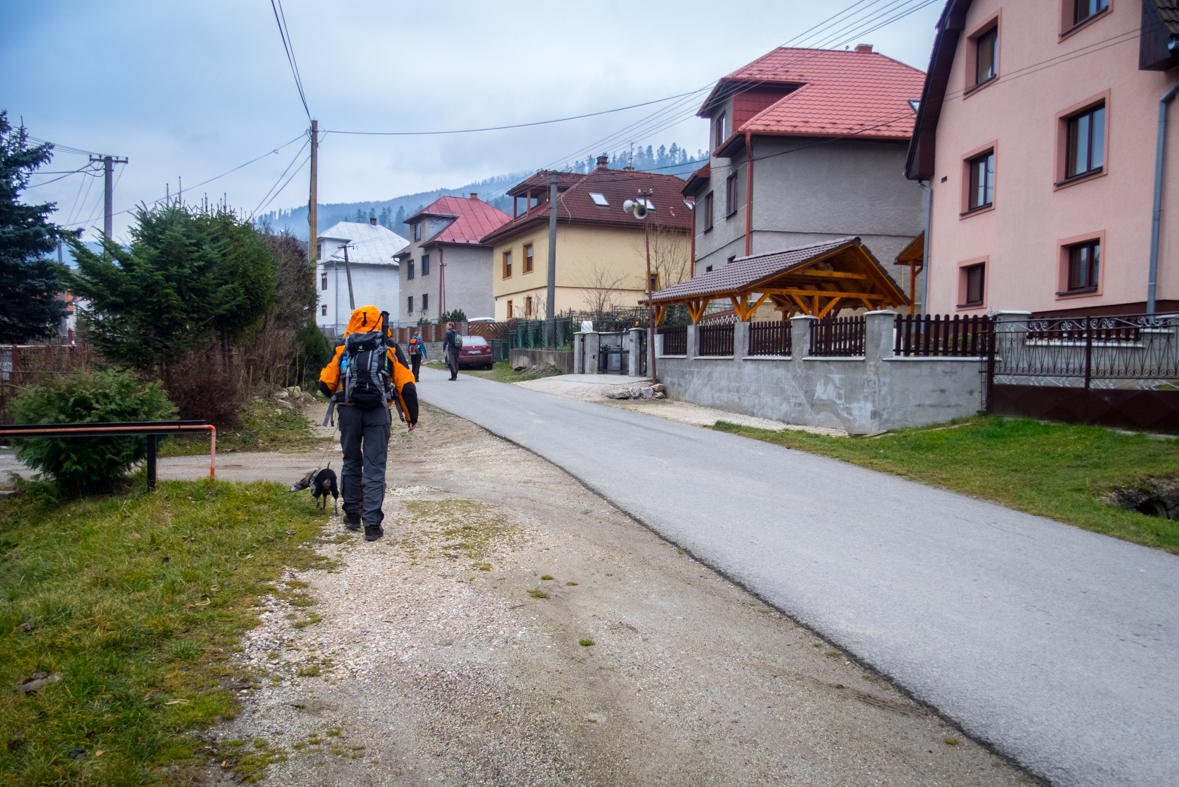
column 366, row 375
column 451, row 345
column 417, row 353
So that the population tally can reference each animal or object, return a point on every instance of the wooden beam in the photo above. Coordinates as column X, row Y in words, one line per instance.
column 831, row 303
column 660, row 311
column 802, row 305
column 823, row 293
column 757, row 305
column 868, row 305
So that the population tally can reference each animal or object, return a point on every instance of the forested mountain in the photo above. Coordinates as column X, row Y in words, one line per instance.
column 391, row 213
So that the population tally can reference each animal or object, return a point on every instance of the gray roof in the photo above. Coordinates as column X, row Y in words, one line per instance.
column 744, row 272
column 368, row 243
column 1169, row 14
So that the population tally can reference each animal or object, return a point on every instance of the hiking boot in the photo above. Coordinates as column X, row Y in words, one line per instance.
column 373, row 532
column 351, row 522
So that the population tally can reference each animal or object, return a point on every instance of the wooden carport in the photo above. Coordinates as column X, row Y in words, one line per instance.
column 818, row 280
column 914, row 257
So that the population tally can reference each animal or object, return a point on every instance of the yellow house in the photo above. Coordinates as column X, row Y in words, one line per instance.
column 601, row 258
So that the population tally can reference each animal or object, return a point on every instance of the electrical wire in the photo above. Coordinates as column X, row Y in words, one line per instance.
column 58, row 147
column 298, row 153
column 288, row 46
column 280, row 191
column 62, row 176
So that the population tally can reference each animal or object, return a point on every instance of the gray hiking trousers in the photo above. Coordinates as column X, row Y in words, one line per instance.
column 364, row 436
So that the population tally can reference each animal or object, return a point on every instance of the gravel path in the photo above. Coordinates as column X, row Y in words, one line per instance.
column 433, row 657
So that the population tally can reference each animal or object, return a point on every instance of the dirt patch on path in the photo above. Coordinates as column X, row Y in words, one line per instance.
column 456, row 651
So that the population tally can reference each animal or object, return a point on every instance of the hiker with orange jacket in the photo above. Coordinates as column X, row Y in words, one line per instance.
column 366, row 375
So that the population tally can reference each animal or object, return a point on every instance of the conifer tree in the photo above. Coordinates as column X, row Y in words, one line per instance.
column 29, row 282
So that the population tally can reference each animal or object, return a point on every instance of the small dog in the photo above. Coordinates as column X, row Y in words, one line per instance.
column 322, row 483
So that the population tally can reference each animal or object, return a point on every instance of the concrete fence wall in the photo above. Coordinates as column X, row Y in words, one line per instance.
column 587, row 347
column 859, row 394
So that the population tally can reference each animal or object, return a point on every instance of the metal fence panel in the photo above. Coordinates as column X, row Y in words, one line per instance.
column 933, row 335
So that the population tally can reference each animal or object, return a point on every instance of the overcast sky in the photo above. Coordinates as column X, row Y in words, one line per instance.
column 191, row 90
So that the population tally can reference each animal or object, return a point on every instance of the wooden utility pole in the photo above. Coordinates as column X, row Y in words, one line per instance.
column 348, row 272
column 108, row 168
column 312, row 217
column 551, row 306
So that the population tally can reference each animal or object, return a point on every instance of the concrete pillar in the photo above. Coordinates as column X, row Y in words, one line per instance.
column 740, row 340
column 800, row 336
column 590, row 357
column 578, row 353
column 879, row 327
column 634, row 358
column 691, row 345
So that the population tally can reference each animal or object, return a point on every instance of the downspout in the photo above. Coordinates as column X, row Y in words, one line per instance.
column 1157, row 215
column 749, row 194
column 692, row 267
column 441, row 280
column 928, row 244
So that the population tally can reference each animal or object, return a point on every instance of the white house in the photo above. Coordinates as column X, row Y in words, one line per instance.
column 375, row 276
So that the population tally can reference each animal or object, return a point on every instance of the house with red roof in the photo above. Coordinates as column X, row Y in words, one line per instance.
column 446, row 265
column 808, row 145
column 600, row 250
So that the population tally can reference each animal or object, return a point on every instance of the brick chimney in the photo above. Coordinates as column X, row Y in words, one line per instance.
column 603, row 162
column 474, row 195
column 864, row 48
column 373, row 220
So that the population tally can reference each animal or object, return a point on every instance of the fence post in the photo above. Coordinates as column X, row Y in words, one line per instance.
column 878, row 331
column 800, row 335
column 1088, row 353
column 593, row 341
column 740, row 339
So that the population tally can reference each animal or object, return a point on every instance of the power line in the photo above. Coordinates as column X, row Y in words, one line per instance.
column 288, row 46
column 298, row 153
column 505, row 128
column 62, row 175
column 280, row 191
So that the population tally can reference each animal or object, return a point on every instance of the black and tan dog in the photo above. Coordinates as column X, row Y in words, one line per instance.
column 322, row 483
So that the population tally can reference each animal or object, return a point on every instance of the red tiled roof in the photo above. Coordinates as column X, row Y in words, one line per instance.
column 542, row 181
column 840, row 93
column 697, row 179
column 575, row 205
column 474, row 218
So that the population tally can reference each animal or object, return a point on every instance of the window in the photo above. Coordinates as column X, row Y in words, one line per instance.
column 507, row 264
column 1084, row 263
column 425, row 303
column 708, row 269
column 319, row 250
column 974, row 284
column 527, row 307
column 409, row 272
column 528, row 258
column 323, row 281
column 1086, row 142
column 987, row 63
column 417, row 230
column 1086, row 9
column 732, row 258
column 718, row 131
column 599, row 200
column 410, row 309
column 654, row 281
column 731, row 195
column 509, row 309
column 323, row 310
column 425, row 264
column 982, row 181
column 708, row 211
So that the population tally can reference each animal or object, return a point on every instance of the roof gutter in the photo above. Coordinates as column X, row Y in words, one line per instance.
column 1157, row 215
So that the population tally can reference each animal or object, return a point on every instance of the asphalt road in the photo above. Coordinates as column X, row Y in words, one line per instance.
column 1055, row 645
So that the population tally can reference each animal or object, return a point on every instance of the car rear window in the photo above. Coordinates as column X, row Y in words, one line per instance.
column 474, row 340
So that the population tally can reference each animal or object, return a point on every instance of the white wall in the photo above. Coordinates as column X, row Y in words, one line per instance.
column 372, row 285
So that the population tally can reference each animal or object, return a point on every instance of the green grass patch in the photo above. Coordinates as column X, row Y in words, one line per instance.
column 538, row 594
column 267, row 428
column 138, row 601
column 502, row 372
column 585, row 643
column 1060, row 471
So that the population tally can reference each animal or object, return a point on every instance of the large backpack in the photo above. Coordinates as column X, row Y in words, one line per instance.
column 458, row 340
column 368, row 373
column 415, row 346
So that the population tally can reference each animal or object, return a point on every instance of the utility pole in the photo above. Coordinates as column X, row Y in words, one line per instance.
column 312, row 216
column 348, row 272
column 108, row 168
column 551, row 306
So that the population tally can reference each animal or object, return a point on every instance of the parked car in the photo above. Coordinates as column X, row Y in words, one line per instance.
column 475, row 352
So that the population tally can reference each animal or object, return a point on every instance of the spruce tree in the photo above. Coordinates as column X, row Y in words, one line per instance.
column 29, row 282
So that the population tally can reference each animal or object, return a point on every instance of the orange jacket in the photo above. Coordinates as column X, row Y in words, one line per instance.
column 363, row 320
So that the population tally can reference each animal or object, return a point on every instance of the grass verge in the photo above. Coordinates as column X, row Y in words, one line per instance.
column 502, row 372
column 267, row 428
column 1060, row 471
column 138, row 602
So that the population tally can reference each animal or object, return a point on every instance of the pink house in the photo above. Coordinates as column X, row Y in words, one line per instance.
column 1055, row 186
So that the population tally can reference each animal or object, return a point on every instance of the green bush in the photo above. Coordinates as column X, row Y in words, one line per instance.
column 313, row 353
column 80, row 463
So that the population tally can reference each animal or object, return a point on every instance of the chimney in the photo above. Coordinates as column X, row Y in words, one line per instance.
column 864, row 48
column 474, row 195
column 373, row 221
column 603, row 162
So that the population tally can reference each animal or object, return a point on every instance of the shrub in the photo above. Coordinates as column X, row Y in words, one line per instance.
column 80, row 463
column 206, row 387
column 314, row 352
